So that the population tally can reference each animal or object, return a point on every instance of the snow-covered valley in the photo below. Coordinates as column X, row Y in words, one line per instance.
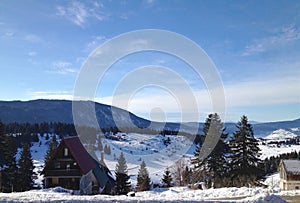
column 159, row 152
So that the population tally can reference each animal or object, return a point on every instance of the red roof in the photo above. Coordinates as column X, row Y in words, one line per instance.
column 82, row 157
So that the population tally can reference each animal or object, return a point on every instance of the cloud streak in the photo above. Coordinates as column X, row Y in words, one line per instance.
column 284, row 36
column 79, row 13
column 258, row 93
column 63, row 67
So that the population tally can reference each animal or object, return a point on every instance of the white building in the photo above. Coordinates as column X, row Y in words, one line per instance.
column 289, row 174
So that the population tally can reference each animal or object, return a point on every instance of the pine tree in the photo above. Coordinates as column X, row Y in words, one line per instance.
column 52, row 147
column 122, row 179
column 186, row 176
column 9, row 180
column 195, row 161
column 25, row 169
column 143, row 180
column 2, row 147
column 214, row 164
column 245, row 154
column 167, row 179
column 107, row 150
column 99, row 142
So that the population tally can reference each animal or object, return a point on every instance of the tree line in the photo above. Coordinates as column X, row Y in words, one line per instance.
column 17, row 175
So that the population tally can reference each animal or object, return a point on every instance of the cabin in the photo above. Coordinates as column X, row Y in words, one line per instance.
column 72, row 167
column 289, row 174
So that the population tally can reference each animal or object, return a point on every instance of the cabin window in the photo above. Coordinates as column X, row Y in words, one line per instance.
column 56, row 164
column 68, row 167
column 66, row 152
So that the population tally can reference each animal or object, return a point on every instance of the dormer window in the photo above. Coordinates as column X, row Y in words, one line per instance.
column 66, row 152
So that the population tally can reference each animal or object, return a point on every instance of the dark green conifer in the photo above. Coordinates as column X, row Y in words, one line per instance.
column 143, row 179
column 167, row 178
column 25, row 169
column 123, row 185
column 245, row 152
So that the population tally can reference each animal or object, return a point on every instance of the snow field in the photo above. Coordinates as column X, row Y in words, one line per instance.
column 157, row 156
column 175, row 194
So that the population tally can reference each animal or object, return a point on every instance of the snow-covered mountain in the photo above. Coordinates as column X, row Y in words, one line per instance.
column 281, row 134
column 37, row 111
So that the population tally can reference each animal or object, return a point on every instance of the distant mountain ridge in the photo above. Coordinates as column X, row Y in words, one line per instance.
column 42, row 110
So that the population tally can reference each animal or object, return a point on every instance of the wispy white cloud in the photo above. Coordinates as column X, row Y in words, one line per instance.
column 264, row 92
column 150, row 1
column 9, row 34
column 79, row 13
column 63, row 67
column 32, row 53
column 96, row 41
column 32, row 38
column 282, row 37
column 241, row 95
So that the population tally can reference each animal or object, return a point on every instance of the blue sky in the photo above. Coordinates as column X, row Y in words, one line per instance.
column 255, row 46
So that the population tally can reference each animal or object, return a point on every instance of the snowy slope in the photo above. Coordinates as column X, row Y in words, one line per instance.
column 158, row 156
column 151, row 148
column 268, row 151
column 281, row 134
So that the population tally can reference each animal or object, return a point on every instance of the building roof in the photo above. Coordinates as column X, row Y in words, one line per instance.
column 292, row 166
column 85, row 161
column 82, row 157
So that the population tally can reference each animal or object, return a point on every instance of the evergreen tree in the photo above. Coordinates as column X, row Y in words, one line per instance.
column 195, row 161
column 108, row 150
column 122, row 179
column 186, row 176
column 214, row 164
column 25, row 169
column 99, row 143
column 52, row 147
column 2, row 137
column 9, row 180
column 167, row 179
column 245, row 152
column 143, row 180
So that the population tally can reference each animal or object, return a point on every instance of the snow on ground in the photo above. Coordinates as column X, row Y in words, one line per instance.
column 150, row 148
column 38, row 151
column 158, row 156
column 273, row 183
column 268, row 151
column 281, row 134
column 175, row 194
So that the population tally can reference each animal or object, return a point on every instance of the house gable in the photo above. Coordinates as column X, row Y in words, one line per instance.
column 289, row 174
column 75, row 152
column 70, row 163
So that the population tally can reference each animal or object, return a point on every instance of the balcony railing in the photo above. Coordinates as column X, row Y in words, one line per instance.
column 63, row 172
